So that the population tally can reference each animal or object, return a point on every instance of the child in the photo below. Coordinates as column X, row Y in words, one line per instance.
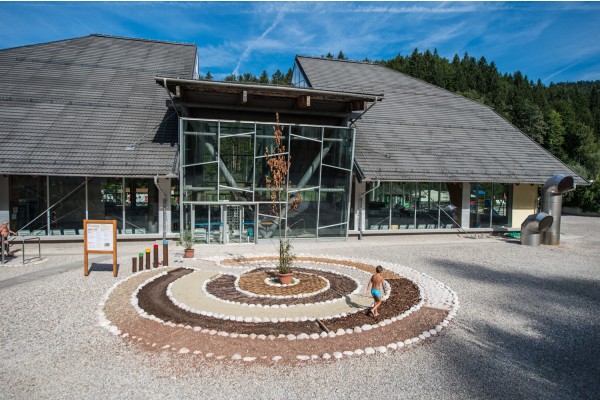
column 376, row 284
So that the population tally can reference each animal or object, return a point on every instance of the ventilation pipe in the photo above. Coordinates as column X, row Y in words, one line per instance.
column 552, row 193
column 534, row 226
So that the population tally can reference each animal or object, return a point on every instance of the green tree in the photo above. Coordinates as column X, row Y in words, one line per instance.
column 264, row 78
column 208, row 76
column 555, row 135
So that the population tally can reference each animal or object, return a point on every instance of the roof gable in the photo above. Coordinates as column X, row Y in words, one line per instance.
column 420, row 132
column 75, row 107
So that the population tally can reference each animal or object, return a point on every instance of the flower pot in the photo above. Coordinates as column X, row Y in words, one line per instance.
column 285, row 279
column 189, row 253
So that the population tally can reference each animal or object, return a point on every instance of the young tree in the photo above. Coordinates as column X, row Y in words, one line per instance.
column 279, row 163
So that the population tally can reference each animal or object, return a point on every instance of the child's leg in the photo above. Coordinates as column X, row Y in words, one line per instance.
column 374, row 309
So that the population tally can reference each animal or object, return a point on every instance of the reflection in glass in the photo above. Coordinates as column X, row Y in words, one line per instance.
column 480, row 205
column 337, row 148
column 27, row 199
column 68, row 213
column 105, row 200
column 302, row 222
column 141, row 206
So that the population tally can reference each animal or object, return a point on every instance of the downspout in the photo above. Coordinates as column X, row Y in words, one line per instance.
column 361, row 222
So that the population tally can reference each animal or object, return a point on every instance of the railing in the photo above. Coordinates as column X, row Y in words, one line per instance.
column 23, row 240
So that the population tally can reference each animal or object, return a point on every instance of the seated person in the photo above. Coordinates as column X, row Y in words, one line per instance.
column 5, row 231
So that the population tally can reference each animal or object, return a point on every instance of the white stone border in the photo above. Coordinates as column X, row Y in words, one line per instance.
column 104, row 322
column 268, row 282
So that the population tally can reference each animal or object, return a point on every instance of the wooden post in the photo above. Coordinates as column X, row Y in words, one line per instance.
column 133, row 265
column 140, row 262
column 147, row 258
column 165, row 253
column 155, row 263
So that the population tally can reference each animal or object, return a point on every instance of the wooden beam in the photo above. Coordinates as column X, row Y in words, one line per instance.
column 358, row 105
column 303, row 101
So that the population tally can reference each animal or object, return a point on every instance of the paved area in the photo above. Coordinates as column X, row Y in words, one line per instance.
column 528, row 327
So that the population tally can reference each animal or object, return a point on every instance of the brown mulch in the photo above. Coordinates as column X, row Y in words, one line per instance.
column 223, row 287
column 153, row 299
column 254, row 282
column 387, row 274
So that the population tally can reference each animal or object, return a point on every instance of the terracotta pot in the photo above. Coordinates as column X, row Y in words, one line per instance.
column 189, row 253
column 285, row 279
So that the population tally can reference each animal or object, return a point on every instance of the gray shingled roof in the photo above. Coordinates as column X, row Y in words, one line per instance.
column 420, row 132
column 72, row 107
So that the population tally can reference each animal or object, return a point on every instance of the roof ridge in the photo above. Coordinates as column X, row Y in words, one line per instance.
column 140, row 39
column 100, row 35
column 335, row 59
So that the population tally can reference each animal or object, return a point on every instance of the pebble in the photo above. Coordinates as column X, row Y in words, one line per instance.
column 184, row 350
column 392, row 346
column 381, row 349
column 369, row 351
column 338, row 355
column 348, row 353
column 276, row 358
column 359, row 352
column 326, row 356
column 303, row 358
column 248, row 359
column 314, row 336
column 291, row 337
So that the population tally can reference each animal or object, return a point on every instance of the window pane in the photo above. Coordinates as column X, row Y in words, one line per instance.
column 337, row 147
column 141, row 206
column 481, row 203
column 427, row 205
column 302, row 222
column 105, row 199
column 501, row 205
column 200, row 141
column 237, row 156
column 378, row 212
column 27, row 200
column 333, row 207
column 200, row 182
column 402, row 213
column 304, row 168
column 66, row 217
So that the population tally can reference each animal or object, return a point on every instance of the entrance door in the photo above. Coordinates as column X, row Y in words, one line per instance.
column 224, row 223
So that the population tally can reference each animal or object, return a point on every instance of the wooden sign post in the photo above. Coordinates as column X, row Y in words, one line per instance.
column 99, row 237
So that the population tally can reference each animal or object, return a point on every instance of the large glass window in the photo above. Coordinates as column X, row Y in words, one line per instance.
column 141, row 206
column 232, row 167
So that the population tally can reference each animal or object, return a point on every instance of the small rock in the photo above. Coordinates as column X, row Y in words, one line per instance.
column 340, row 332
column 359, row 352
column 303, row 358
column 197, row 329
column 209, row 355
column 331, row 334
column 323, row 334
column 253, row 336
column 392, row 346
column 248, row 359
column 291, row 337
column 348, row 353
column 369, row 351
column 236, row 357
column 349, row 331
column 184, row 350
column 261, row 337
column 407, row 342
column 338, row 355
column 426, row 334
column 276, row 358
column 357, row 329
column 233, row 335
column 381, row 349
column 314, row 336
column 212, row 332
column 166, row 346
column 196, row 352
column 326, row 356
column 302, row 336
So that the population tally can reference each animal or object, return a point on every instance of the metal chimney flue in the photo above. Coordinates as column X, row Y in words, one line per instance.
column 533, row 227
column 552, row 193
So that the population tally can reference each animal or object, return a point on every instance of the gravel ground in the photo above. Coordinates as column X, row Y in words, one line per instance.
column 528, row 327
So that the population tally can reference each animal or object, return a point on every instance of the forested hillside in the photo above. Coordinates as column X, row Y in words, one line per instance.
column 563, row 117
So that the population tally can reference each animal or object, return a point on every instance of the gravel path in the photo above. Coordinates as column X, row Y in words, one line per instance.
column 528, row 327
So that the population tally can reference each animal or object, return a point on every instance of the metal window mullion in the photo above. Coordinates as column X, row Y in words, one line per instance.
column 287, row 180
column 390, row 206
column 414, row 191
column 336, row 167
column 123, row 200
column 218, row 158
column 87, row 206
column 350, row 187
column 439, row 224
column 254, row 165
column 491, row 205
column 320, row 183
column 48, row 214
column 181, row 178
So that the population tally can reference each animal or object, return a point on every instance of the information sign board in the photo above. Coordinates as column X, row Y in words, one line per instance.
column 99, row 237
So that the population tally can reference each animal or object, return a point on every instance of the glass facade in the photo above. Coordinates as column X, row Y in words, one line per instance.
column 57, row 205
column 435, row 205
column 225, row 194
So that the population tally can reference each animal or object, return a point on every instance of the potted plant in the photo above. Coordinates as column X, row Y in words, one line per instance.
column 187, row 241
column 279, row 163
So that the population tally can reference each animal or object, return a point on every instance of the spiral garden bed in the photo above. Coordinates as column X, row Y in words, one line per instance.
column 234, row 310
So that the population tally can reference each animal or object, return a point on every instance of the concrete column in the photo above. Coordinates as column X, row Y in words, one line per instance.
column 465, row 215
column 359, row 216
column 4, row 200
column 165, row 186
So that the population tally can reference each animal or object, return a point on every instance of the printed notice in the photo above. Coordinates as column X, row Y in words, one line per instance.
column 100, row 237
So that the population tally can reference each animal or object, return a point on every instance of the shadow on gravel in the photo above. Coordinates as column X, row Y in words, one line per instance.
column 544, row 342
column 102, row 267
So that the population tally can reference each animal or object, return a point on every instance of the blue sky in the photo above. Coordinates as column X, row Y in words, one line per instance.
column 552, row 41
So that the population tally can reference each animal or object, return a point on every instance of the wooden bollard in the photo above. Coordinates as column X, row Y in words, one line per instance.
column 133, row 265
column 140, row 261
column 165, row 253
column 155, row 261
column 147, row 258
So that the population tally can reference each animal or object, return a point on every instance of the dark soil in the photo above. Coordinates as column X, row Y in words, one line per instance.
column 153, row 299
column 223, row 287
